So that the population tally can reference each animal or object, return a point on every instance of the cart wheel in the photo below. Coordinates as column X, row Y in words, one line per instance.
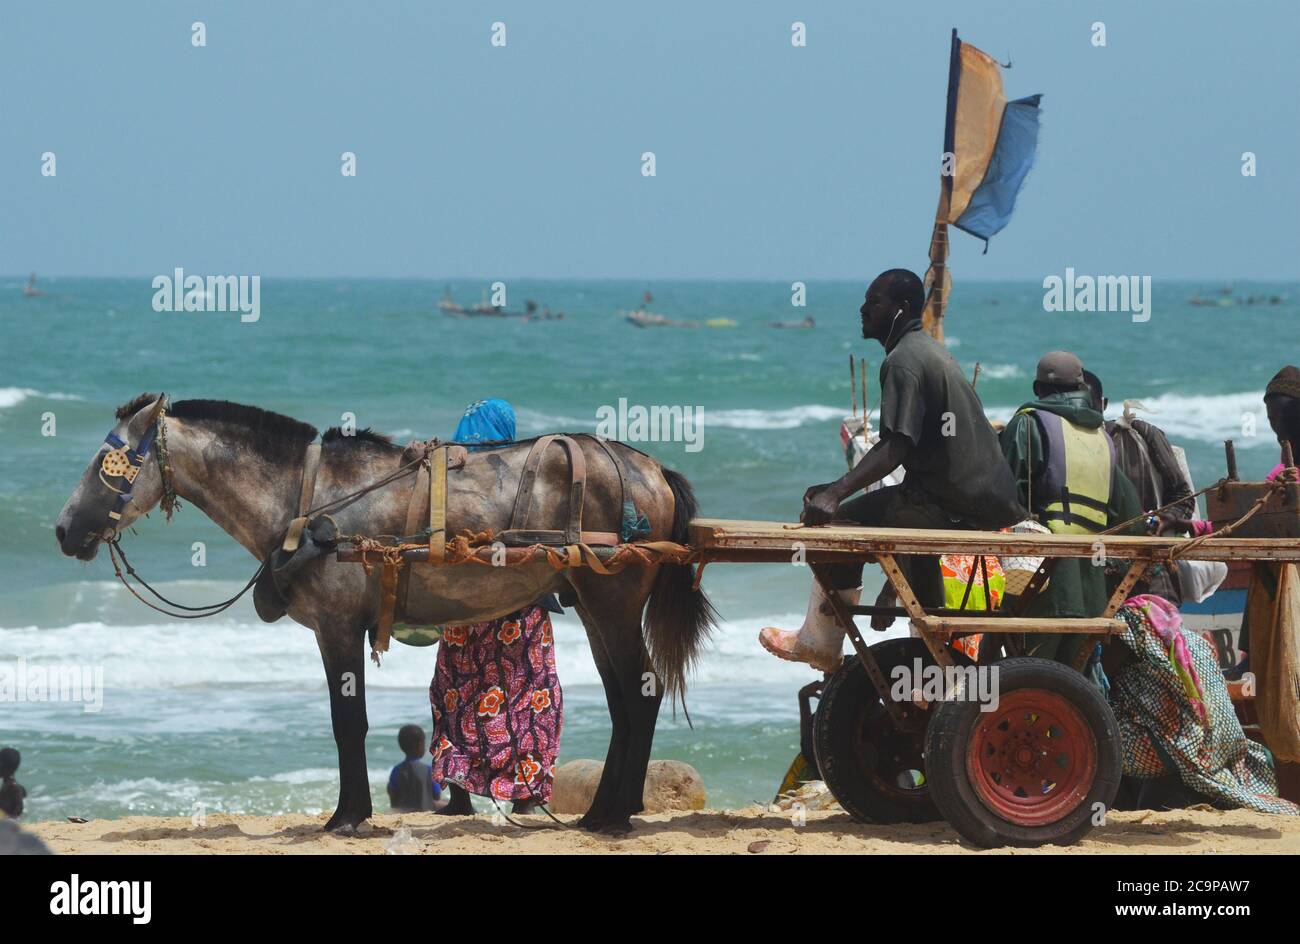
column 1035, row 770
column 874, row 770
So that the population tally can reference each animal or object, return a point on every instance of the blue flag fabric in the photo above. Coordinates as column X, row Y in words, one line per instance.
column 991, row 204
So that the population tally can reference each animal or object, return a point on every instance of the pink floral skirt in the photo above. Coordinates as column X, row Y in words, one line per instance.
column 497, row 707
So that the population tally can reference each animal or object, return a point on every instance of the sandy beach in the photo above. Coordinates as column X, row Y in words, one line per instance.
column 740, row 832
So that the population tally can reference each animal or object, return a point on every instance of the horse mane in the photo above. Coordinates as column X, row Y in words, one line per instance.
column 273, row 434
column 134, row 406
column 335, row 436
column 263, row 423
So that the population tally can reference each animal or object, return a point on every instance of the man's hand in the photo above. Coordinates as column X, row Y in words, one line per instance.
column 1169, row 523
column 820, row 503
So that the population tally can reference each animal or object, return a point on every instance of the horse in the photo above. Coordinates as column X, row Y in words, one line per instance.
column 243, row 467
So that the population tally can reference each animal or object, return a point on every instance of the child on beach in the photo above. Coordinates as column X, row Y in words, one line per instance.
column 410, row 786
column 11, row 792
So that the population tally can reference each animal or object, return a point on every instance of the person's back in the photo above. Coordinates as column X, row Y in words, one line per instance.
column 1145, row 456
column 410, row 784
column 1067, row 476
column 1063, row 460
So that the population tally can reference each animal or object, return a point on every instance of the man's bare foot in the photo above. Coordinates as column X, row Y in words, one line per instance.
column 786, row 645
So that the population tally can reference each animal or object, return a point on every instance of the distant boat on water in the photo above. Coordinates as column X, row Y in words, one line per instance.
column 454, row 309
column 1227, row 299
column 448, row 305
column 30, row 290
column 649, row 319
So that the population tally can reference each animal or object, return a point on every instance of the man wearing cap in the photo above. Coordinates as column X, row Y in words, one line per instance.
column 1065, row 468
column 933, row 425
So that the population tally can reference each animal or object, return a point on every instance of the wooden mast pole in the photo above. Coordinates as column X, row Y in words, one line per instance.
column 938, row 279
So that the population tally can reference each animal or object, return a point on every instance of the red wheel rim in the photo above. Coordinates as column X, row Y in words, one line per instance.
column 1034, row 759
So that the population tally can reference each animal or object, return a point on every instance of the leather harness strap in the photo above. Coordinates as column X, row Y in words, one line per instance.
column 431, row 481
column 517, row 532
column 415, row 506
column 438, row 504
column 430, row 486
column 311, row 466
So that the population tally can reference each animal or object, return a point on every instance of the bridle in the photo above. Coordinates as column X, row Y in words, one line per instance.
column 123, row 462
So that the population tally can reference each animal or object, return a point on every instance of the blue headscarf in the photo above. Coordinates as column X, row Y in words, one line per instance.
column 489, row 420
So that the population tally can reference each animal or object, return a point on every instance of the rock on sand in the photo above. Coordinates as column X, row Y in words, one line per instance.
column 670, row 785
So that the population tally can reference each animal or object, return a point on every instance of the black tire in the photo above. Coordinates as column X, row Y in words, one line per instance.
column 869, row 765
column 1064, row 700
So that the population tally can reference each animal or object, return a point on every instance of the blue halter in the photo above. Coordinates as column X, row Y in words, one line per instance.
column 123, row 462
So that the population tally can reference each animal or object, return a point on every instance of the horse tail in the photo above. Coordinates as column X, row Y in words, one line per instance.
column 678, row 617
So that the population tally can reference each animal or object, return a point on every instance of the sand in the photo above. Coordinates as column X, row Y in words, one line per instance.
column 742, row 832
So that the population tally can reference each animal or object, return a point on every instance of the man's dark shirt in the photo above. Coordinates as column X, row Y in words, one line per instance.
column 923, row 396
column 1152, row 467
column 1167, row 484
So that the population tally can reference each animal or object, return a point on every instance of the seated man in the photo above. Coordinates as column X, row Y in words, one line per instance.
column 932, row 424
column 1064, row 467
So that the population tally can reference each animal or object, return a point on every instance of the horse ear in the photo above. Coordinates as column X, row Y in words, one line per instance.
column 157, row 407
column 145, row 418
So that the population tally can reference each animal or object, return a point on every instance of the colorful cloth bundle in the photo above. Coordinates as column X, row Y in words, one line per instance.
column 1174, row 710
column 956, row 572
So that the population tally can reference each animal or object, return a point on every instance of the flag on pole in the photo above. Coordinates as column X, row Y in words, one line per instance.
column 988, row 147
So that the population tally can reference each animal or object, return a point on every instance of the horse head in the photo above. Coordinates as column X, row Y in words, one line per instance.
column 121, row 483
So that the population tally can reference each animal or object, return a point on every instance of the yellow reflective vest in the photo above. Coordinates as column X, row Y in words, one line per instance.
column 1070, row 493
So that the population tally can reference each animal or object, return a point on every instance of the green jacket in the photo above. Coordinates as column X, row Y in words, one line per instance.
column 1077, row 587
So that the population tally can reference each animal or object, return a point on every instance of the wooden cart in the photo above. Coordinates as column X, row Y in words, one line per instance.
column 1044, row 765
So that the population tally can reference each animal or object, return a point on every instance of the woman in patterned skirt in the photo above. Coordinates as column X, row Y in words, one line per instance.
column 495, row 694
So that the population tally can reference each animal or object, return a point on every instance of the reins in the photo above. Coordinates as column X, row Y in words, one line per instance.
column 192, row 612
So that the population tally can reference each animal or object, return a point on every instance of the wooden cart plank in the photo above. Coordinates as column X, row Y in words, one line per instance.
column 720, row 539
column 953, row 625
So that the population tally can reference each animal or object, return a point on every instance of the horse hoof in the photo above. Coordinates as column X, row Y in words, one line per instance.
column 589, row 823
column 617, row 828
column 348, row 824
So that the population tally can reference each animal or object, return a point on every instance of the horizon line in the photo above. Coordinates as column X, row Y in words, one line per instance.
column 625, row 278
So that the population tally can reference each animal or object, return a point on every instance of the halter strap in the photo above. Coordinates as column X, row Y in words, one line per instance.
column 124, row 462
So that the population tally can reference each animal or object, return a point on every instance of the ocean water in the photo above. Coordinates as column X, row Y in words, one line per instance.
column 231, row 714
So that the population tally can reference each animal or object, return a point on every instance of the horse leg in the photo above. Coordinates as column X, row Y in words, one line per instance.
column 641, row 697
column 602, row 802
column 343, row 653
column 611, row 611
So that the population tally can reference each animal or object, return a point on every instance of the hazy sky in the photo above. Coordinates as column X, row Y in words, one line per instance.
column 524, row 161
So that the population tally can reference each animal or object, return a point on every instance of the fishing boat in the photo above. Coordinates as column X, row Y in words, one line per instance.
column 647, row 319
column 448, row 305
column 484, row 309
